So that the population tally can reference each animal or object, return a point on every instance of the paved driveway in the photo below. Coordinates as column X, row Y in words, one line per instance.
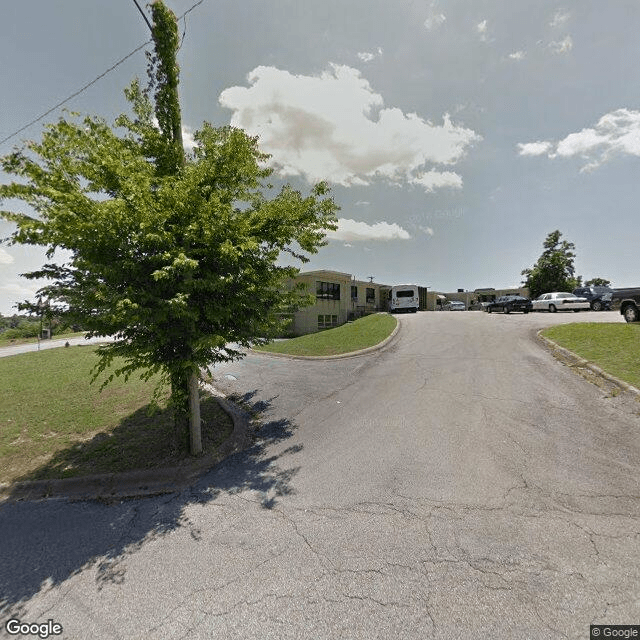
column 460, row 484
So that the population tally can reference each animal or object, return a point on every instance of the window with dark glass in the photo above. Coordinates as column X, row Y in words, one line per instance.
column 327, row 291
column 371, row 295
column 327, row 321
column 354, row 292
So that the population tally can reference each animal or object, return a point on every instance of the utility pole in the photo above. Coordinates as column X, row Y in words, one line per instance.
column 167, row 105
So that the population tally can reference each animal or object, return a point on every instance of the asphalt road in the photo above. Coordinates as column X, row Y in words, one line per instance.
column 28, row 347
column 460, row 484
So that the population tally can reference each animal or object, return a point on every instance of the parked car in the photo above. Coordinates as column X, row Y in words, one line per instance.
column 507, row 304
column 599, row 297
column 628, row 302
column 455, row 305
column 560, row 301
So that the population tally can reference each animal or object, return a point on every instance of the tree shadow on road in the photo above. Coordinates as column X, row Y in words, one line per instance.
column 47, row 542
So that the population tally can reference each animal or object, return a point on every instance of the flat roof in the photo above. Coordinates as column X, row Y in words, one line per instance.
column 321, row 272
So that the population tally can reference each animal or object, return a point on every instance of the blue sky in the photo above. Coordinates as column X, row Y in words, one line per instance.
column 455, row 135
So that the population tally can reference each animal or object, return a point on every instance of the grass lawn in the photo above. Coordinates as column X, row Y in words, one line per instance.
column 364, row 332
column 54, row 424
column 614, row 347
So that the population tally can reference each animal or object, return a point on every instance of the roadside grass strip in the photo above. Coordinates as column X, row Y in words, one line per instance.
column 614, row 347
column 8, row 342
column 353, row 336
column 55, row 424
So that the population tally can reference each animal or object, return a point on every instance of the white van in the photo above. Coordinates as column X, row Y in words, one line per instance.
column 404, row 297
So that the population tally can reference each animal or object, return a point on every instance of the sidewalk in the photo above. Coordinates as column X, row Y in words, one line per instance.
column 15, row 349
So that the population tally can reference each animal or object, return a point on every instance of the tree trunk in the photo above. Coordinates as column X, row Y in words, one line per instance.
column 185, row 398
column 180, row 404
column 195, row 428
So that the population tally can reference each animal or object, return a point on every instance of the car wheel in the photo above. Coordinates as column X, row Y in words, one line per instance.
column 552, row 308
column 596, row 305
column 576, row 311
column 526, row 311
column 488, row 309
column 505, row 309
column 630, row 313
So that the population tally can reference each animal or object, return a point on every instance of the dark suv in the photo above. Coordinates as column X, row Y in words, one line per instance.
column 598, row 297
column 507, row 304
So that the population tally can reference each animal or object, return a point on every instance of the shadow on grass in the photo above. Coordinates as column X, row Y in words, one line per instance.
column 45, row 543
column 142, row 440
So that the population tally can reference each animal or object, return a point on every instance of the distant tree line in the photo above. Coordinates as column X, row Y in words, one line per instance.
column 21, row 326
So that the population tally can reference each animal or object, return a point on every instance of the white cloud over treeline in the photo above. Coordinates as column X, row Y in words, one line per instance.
column 353, row 231
column 616, row 133
column 334, row 127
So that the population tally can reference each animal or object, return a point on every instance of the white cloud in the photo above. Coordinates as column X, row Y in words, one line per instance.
column 434, row 18
column 352, row 231
column 335, row 127
column 517, row 55
column 362, row 203
column 481, row 29
column 368, row 56
column 534, row 148
column 616, row 133
column 426, row 230
column 10, row 294
column 346, row 244
column 433, row 179
column 562, row 46
column 559, row 18
column 5, row 256
column 187, row 138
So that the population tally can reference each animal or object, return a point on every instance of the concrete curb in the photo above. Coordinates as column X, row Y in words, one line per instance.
column 351, row 354
column 135, row 484
column 577, row 361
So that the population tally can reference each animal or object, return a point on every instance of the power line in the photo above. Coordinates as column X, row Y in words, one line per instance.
column 86, row 86
column 73, row 95
column 144, row 15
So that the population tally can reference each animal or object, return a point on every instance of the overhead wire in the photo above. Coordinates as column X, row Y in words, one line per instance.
column 96, row 79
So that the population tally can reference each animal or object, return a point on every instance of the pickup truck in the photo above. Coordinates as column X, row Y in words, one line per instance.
column 628, row 301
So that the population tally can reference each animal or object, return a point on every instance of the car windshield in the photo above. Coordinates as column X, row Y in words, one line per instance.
column 564, row 295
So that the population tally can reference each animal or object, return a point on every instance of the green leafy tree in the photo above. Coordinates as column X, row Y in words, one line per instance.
column 174, row 254
column 597, row 282
column 554, row 270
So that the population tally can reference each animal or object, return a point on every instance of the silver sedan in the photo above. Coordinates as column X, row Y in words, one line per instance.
column 560, row 301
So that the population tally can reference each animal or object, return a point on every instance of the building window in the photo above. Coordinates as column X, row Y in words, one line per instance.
column 354, row 292
column 371, row 296
column 327, row 291
column 326, row 321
